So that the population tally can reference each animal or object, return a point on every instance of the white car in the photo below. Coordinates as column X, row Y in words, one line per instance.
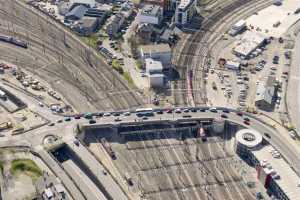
column 127, row 113
column 106, row 114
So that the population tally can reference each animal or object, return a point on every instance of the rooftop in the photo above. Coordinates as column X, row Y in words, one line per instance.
column 151, row 10
column 249, row 42
column 156, row 48
column 184, row 3
column 288, row 180
column 248, row 137
column 266, row 91
column 153, row 65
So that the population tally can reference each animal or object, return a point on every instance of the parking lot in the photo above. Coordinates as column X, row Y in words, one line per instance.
column 238, row 87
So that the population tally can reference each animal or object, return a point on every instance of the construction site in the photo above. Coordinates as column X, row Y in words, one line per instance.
column 188, row 159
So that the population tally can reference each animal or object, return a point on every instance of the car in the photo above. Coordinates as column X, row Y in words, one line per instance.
column 193, row 110
column 187, row 116
column 106, row 114
column 186, row 110
column 169, row 111
column 224, row 116
column 202, row 110
column 226, row 111
column 178, row 110
column 92, row 121
column 127, row 114
column 267, row 135
column 117, row 119
column 239, row 113
column 51, row 124
column 247, row 122
column 285, row 73
column 276, row 58
column 76, row 142
column 67, row 119
column 145, row 118
column 116, row 114
column 77, row 117
column 213, row 110
column 160, row 112
column 59, row 121
column 246, row 119
column 273, row 68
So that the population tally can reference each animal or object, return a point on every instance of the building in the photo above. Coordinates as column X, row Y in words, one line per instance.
column 248, row 44
column 145, row 31
column 159, row 52
column 185, row 10
column 115, row 24
column 87, row 25
column 97, row 12
column 153, row 66
column 273, row 171
column 265, row 94
column 87, row 3
column 232, row 65
column 237, row 27
column 156, row 80
column 151, row 14
column 76, row 13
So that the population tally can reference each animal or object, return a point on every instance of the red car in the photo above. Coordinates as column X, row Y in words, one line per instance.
column 77, row 117
column 239, row 113
column 247, row 122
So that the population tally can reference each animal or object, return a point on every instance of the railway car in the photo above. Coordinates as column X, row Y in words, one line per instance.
column 5, row 38
column 14, row 41
column 19, row 43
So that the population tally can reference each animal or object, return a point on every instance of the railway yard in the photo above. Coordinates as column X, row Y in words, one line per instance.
column 227, row 131
column 63, row 60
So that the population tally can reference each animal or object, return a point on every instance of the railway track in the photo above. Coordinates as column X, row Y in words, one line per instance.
column 200, row 44
column 173, row 170
column 96, row 82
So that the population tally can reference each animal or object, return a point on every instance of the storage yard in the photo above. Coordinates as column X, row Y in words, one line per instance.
column 168, row 164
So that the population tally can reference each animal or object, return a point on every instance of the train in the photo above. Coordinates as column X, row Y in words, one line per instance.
column 14, row 41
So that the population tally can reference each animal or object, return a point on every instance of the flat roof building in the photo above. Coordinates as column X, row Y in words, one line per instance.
column 185, row 10
column 248, row 43
column 160, row 52
column 151, row 14
column 87, row 25
column 153, row 66
column 265, row 94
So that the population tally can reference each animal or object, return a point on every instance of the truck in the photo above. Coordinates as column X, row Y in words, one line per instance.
column 237, row 28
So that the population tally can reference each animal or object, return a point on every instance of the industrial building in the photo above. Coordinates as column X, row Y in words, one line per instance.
column 185, row 10
column 76, row 13
column 159, row 52
column 249, row 42
column 265, row 94
column 275, row 174
column 87, row 25
column 151, row 14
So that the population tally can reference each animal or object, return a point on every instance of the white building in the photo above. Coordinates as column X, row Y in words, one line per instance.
column 237, row 27
column 184, row 12
column 89, row 3
column 154, row 70
column 151, row 14
column 232, row 65
column 248, row 43
column 160, row 52
column 153, row 66
column 156, row 80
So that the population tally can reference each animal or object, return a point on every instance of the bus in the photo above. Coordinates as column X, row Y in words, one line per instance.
column 144, row 112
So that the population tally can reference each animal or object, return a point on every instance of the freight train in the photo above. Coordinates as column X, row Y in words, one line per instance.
column 13, row 41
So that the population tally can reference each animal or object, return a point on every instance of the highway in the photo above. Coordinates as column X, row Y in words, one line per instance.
column 71, row 67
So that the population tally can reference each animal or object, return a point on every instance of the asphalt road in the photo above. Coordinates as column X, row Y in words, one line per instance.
column 63, row 60
column 293, row 90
